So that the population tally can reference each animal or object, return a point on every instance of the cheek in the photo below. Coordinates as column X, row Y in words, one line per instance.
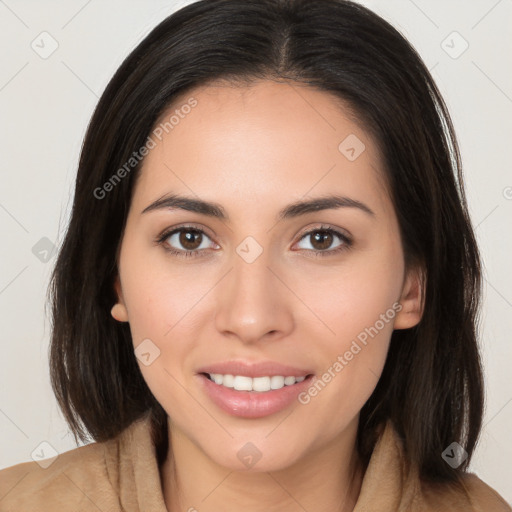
column 163, row 308
column 357, row 325
column 351, row 297
column 164, row 304
column 356, row 305
column 351, row 358
column 160, row 296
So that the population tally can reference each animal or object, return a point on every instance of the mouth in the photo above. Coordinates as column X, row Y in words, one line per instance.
column 261, row 384
column 253, row 397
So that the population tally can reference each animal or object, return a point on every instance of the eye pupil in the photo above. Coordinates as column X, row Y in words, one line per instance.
column 188, row 237
column 322, row 236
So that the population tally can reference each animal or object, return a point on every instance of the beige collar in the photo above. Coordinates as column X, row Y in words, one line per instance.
column 388, row 485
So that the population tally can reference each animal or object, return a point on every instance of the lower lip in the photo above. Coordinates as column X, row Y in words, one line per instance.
column 253, row 404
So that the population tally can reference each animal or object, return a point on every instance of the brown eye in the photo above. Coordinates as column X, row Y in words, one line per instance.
column 185, row 240
column 189, row 238
column 321, row 241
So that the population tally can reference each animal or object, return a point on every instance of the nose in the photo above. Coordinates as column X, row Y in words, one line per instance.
column 253, row 303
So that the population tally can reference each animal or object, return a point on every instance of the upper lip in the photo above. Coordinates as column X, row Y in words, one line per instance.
column 254, row 369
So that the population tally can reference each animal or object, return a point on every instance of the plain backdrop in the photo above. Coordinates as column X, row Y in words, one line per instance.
column 46, row 102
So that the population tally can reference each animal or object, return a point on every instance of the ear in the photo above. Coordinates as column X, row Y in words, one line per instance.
column 412, row 299
column 119, row 311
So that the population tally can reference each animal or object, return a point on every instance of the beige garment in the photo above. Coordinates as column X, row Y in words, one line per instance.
column 123, row 475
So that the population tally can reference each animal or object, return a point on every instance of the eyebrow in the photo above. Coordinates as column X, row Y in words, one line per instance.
column 211, row 209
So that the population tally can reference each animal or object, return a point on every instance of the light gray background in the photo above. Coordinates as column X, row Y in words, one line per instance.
column 45, row 105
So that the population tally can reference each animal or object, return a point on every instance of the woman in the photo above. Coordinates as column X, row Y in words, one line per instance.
column 267, row 293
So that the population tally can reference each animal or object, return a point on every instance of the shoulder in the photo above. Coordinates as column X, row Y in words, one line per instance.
column 392, row 482
column 473, row 496
column 77, row 480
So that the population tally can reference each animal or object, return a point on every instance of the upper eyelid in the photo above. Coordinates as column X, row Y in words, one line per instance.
column 168, row 232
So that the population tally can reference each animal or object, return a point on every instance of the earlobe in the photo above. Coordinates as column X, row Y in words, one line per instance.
column 119, row 311
column 412, row 300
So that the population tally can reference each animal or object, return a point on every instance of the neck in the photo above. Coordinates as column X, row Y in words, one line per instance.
column 327, row 479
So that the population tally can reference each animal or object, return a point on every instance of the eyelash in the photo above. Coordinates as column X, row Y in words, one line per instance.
column 346, row 245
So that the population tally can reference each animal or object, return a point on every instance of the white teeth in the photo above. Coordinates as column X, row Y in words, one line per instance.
column 217, row 377
column 242, row 383
column 261, row 384
column 225, row 380
column 276, row 382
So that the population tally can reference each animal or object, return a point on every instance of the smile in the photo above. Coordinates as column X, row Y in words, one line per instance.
column 253, row 397
column 259, row 384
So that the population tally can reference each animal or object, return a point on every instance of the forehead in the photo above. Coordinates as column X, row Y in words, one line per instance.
column 266, row 139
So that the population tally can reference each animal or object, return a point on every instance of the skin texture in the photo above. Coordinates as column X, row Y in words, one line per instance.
column 254, row 150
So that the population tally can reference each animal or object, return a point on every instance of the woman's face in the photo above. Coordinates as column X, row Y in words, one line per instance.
column 259, row 287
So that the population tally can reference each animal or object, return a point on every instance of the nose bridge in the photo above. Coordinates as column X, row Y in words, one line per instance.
column 252, row 278
column 253, row 302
